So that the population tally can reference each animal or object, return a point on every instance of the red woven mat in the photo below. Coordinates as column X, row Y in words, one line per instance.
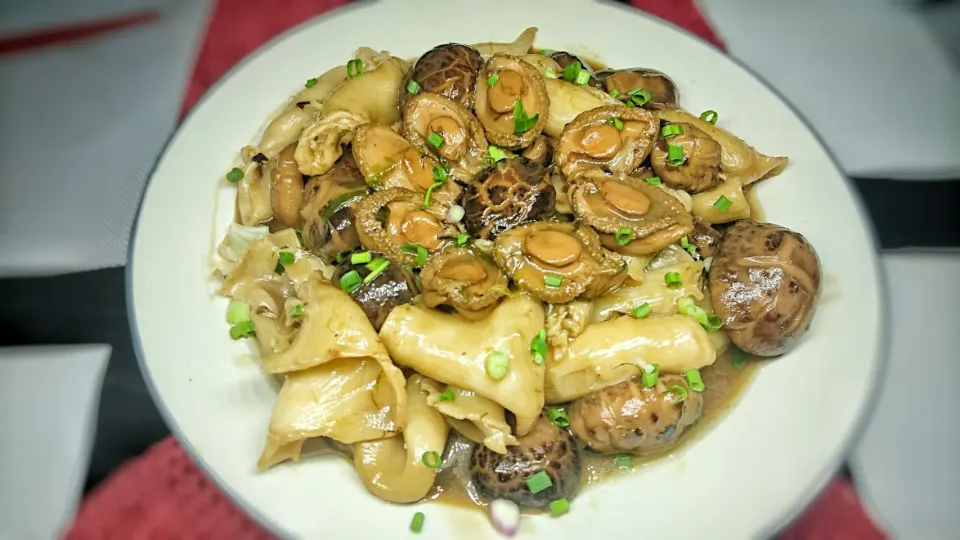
column 163, row 495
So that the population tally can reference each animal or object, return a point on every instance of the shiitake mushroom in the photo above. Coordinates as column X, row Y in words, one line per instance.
column 624, row 83
column 514, row 192
column 449, row 70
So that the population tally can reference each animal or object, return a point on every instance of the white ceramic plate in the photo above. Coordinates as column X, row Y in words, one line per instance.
column 755, row 470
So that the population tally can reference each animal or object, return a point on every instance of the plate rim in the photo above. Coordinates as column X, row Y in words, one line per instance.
column 814, row 486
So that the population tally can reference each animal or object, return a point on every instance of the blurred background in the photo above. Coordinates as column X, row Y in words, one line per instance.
column 91, row 91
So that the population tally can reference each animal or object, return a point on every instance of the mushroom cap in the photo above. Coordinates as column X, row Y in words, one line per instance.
column 463, row 149
column 564, row 59
column 328, row 224
column 663, row 90
column 764, row 283
column 534, row 255
column 545, row 448
column 705, row 237
column 700, row 170
column 612, row 138
column 449, row 70
column 514, row 192
column 627, row 417
column 392, row 287
column 540, row 151
column 515, row 82
column 461, row 278
column 623, row 204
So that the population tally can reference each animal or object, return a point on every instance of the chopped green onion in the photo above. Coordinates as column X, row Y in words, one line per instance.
column 583, row 77
column 681, row 393
column 496, row 365
column 739, row 360
column 496, row 154
column 417, row 524
column 350, row 281
column 286, row 258
column 340, row 201
column 654, row 181
column 623, row 236
column 559, row 507
column 571, row 72
column 539, row 347
column 623, row 461
column 709, row 117
column 675, row 154
column 376, row 268
column 689, row 247
column 723, row 203
column 435, row 140
column 651, row 374
column 671, row 130
column 552, row 280
column 614, row 93
column 341, row 257
column 431, row 459
column 439, row 174
column 521, row 121
column 296, row 311
column 361, row 258
column 539, row 482
column 558, row 416
column 547, row 52
column 462, row 239
column 418, row 250
column 694, row 381
column 492, row 80
column 413, row 87
column 354, row 68
column 629, row 104
column 639, row 96
column 642, row 311
column 310, row 82
column 714, row 323
column 235, row 175
column 238, row 311
column 684, row 242
column 550, row 73
column 617, row 123
column 242, row 330
column 426, row 198
column 447, row 395
column 673, row 280
column 687, row 306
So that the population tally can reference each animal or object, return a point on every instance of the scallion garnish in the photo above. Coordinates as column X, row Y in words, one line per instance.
column 675, row 154
column 651, row 375
column 242, row 330
column 238, row 311
column 680, row 393
column 694, row 381
column 350, row 281
column 572, row 71
column 623, row 236
column 623, row 461
column 341, row 257
column 673, row 280
column 714, row 323
column 340, row 201
column 462, row 239
column 496, row 154
column 417, row 524
column 285, row 258
column 642, row 311
column 413, row 87
column 558, row 416
column 311, row 82
column 688, row 306
column 739, row 360
column 689, row 247
column 583, row 77
column 723, row 203
column 376, row 268
column 629, row 103
column 547, row 52
column 426, row 197
column 435, row 140
column 559, row 507
column 539, row 347
column 709, row 117
column 550, row 74
column 447, row 395
column 418, row 250
column 671, row 130
column 639, row 96
column 354, row 68
column 439, row 174
column 552, row 280
column 296, row 311
column 654, row 181
column 492, row 80
column 614, row 93
column 235, row 175
column 521, row 121
column 497, row 363
column 431, row 459
column 361, row 258
column 617, row 123
column 539, row 482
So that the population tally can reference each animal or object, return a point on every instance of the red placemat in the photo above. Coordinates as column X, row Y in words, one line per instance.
column 163, row 494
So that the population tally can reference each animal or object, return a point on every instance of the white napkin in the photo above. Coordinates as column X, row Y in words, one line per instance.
column 82, row 125
column 49, row 397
